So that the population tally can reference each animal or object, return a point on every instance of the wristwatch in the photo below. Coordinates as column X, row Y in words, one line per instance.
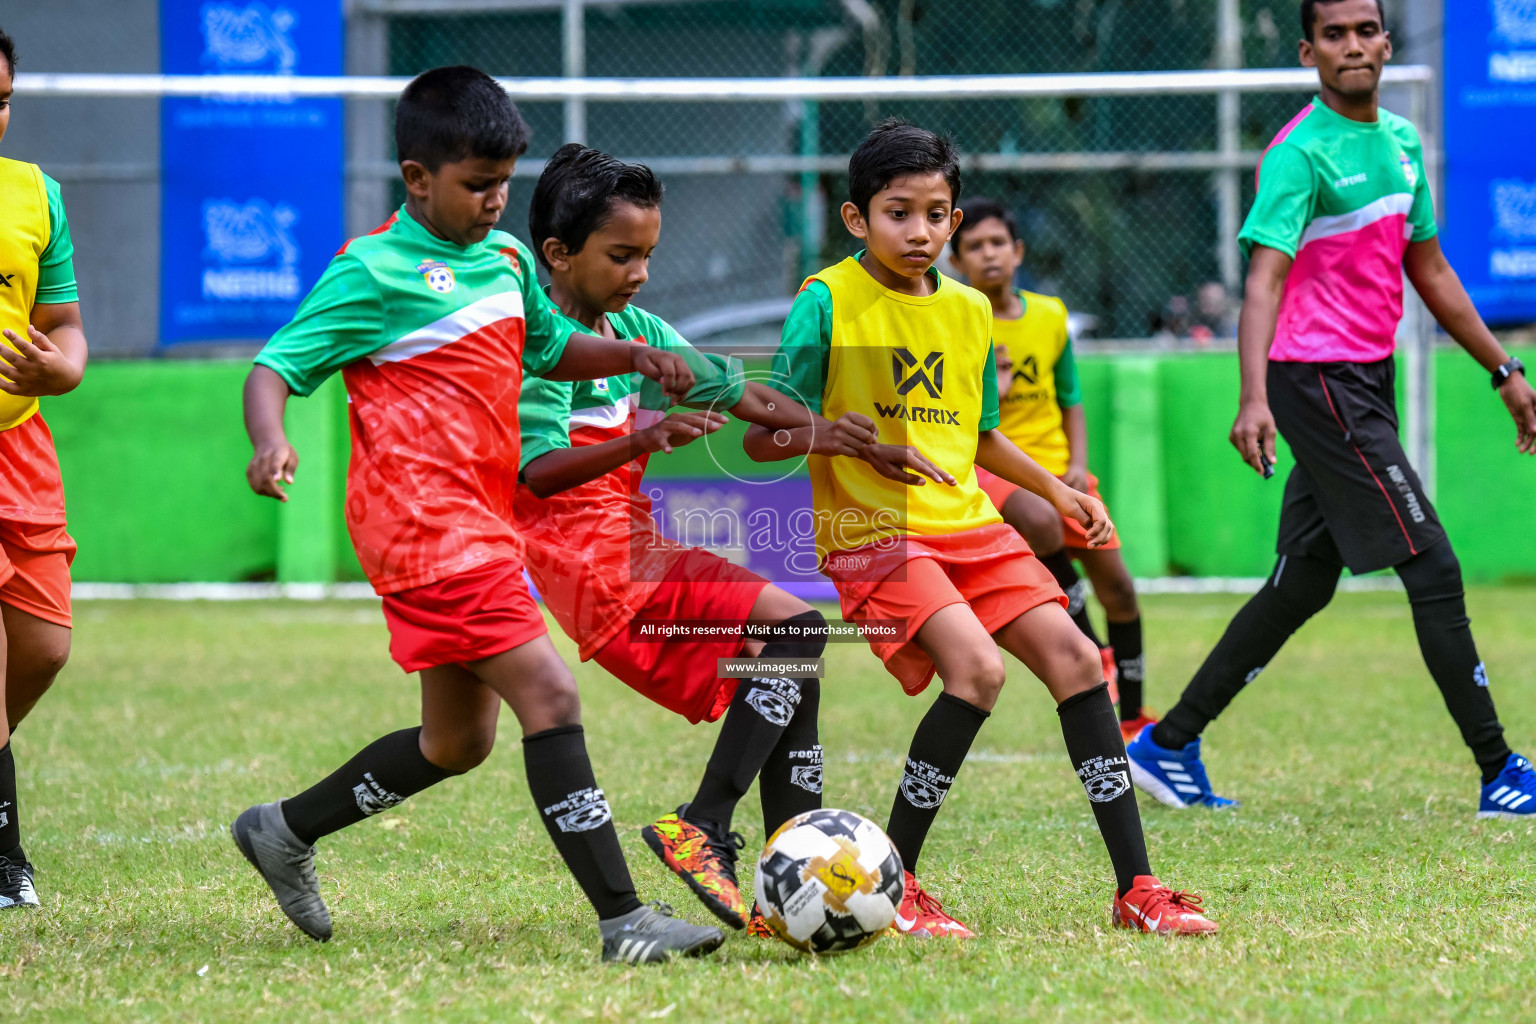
column 1507, row 371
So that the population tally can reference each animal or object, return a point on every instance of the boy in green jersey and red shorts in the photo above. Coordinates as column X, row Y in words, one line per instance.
column 603, row 568
column 433, row 320
column 1042, row 412
column 1342, row 212
column 43, row 352
column 908, row 537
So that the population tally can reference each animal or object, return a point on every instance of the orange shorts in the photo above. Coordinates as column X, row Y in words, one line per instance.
column 35, row 547
column 466, row 617
column 1072, row 531
column 680, row 674
column 999, row 586
column 34, row 569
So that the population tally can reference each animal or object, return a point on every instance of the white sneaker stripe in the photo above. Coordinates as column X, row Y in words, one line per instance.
column 1181, row 777
column 1498, row 792
column 1182, row 788
column 1504, row 801
column 1170, row 766
column 1516, row 803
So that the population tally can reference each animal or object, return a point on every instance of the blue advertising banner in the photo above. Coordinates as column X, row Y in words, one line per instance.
column 1490, row 144
column 251, row 189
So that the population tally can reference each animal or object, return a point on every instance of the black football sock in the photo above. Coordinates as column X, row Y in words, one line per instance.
column 377, row 778
column 10, row 820
column 790, row 783
column 1130, row 666
column 939, row 746
column 759, row 713
column 1433, row 581
column 1061, row 567
column 1098, row 756
column 1298, row 589
column 578, row 819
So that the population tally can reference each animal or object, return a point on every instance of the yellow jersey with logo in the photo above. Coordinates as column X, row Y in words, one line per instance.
column 36, row 260
column 1037, row 343
column 920, row 366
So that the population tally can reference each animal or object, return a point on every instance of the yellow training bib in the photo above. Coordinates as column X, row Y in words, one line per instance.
column 915, row 365
column 1031, row 417
column 24, row 234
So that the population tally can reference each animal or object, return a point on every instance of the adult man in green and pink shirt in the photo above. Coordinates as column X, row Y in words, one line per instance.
column 1343, row 210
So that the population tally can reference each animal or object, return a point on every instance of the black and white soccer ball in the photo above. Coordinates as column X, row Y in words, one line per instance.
column 829, row 881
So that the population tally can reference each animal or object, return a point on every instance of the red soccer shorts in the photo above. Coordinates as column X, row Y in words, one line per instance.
column 1000, row 579
column 1072, row 531
column 466, row 617
column 679, row 674
column 35, row 548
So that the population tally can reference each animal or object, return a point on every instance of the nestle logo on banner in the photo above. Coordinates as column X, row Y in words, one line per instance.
column 1514, row 24
column 252, row 249
column 248, row 39
column 1514, row 218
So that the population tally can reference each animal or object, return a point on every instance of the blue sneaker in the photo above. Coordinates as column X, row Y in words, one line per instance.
column 1172, row 777
column 1512, row 794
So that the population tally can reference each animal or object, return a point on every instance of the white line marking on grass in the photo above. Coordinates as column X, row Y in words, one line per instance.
column 195, row 833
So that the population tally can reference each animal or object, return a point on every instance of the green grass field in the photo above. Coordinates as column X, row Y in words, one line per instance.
column 1353, row 883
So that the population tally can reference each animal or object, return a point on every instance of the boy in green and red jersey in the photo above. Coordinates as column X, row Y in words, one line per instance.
column 884, row 335
column 603, row 568
column 432, row 321
column 1042, row 412
column 43, row 352
column 1342, row 212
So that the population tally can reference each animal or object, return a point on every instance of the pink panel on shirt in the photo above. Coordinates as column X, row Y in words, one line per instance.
column 1279, row 138
column 1344, row 297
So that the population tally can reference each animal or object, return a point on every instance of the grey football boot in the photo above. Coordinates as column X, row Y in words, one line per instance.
column 287, row 866
column 651, row 934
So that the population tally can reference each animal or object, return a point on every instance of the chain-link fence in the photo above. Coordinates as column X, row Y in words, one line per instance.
column 1117, row 197
column 1129, row 204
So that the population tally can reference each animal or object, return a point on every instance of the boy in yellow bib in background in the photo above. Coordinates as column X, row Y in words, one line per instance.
column 1042, row 413
column 925, row 559
column 43, row 353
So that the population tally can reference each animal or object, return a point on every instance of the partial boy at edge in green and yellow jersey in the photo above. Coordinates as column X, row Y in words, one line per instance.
column 42, row 353
column 922, row 562
column 1042, row 413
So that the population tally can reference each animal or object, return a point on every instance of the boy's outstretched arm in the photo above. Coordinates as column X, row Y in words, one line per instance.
column 274, row 460
column 1253, row 433
column 588, row 357
column 996, row 454
column 852, row 434
column 564, row 468
column 50, row 360
column 1441, row 289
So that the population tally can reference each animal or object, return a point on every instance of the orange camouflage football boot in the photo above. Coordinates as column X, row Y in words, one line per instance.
column 758, row 926
column 702, row 854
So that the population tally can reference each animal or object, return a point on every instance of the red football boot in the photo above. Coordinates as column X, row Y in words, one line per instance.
column 1111, row 673
column 704, row 858
column 923, row 916
column 758, row 926
column 1144, row 718
column 1150, row 906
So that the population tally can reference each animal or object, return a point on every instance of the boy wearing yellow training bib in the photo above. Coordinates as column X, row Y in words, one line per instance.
column 42, row 352
column 919, row 556
column 1042, row 413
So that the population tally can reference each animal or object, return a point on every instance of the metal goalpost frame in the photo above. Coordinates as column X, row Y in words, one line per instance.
column 1225, row 162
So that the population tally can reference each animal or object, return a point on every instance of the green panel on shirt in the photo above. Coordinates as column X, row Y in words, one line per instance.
column 374, row 293
column 545, row 407
column 1069, row 390
column 56, row 267
column 991, row 409
column 805, row 347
